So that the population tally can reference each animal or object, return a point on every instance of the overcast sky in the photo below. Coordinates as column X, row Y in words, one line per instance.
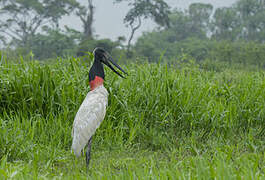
column 109, row 17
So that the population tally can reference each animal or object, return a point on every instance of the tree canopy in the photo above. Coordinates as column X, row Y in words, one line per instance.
column 24, row 18
column 157, row 10
column 200, row 30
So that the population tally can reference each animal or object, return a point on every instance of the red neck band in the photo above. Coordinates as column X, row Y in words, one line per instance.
column 96, row 82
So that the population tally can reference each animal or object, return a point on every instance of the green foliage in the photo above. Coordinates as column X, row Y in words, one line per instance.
column 152, row 45
column 246, row 53
column 157, row 10
column 233, row 35
column 46, row 46
column 221, row 39
column 54, row 43
column 225, row 24
column 90, row 44
column 24, row 18
column 162, row 121
column 198, row 31
column 167, row 99
column 183, row 26
column 199, row 14
column 245, row 20
column 216, row 159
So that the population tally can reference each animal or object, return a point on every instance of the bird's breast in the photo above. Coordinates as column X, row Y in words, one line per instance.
column 89, row 117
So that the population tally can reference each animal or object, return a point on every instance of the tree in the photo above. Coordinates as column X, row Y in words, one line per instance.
column 157, row 10
column 252, row 13
column 2, row 40
column 25, row 17
column 86, row 15
column 181, row 27
column 244, row 20
column 226, row 24
column 199, row 14
column 90, row 44
column 53, row 43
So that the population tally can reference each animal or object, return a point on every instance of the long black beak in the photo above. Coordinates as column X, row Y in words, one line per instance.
column 108, row 59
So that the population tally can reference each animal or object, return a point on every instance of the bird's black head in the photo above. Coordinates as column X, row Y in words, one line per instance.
column 102, row 56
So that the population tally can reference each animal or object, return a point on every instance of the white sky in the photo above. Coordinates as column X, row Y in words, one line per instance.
column 108, row 21
column 109, row 17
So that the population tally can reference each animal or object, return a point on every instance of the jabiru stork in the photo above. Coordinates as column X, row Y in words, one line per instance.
column 93, row 109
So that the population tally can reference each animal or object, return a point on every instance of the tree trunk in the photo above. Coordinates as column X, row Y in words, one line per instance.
column 88, row 32
column 128, row 53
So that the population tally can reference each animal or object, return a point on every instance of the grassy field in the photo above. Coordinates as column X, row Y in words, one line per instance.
column 162, row 123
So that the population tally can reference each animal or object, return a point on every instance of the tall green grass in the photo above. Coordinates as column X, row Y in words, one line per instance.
column 159, row 108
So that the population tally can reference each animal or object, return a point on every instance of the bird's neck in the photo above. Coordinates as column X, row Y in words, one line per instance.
column 98, row 81
column 96, row 75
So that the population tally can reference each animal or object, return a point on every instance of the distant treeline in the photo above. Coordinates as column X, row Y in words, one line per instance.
column 233, row 34
column 245, row 53
column 229, row 34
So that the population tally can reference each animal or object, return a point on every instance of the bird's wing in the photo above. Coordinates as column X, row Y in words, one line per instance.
column 88, row 118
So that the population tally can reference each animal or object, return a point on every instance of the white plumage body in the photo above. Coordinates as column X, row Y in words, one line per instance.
column 88, row 118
